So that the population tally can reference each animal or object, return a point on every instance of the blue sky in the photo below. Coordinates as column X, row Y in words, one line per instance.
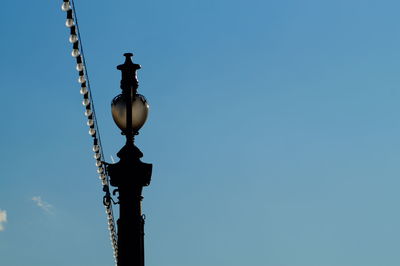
column 273, row 131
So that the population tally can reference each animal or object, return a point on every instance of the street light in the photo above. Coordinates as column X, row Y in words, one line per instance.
column 129, row 110
column 140, row 109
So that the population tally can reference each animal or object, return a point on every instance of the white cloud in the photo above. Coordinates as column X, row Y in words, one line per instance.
column 42, row 204
column 3, row 219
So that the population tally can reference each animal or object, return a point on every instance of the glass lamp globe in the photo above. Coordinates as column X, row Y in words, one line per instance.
column 140, row 110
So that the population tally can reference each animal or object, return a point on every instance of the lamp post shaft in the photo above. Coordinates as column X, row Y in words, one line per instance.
column 130, row 229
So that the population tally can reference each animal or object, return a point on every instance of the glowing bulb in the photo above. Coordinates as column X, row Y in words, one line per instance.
column 90, row 123
column 104, row 182
column 73, row 38
column 65, row 6
column 81, row 79
column 102, row 176
column 75, row 53
column 86, row 102
column 83, row 90
column 92, row 132
column 98, row 163
column 140, row 109
column 100, row 170
column 88, row 112
column 69, row 22
column 79, row 67
column 97, row 156
column 108, row 211
column 96, row 148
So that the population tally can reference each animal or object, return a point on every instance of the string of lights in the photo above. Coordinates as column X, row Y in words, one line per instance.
column 77, row 52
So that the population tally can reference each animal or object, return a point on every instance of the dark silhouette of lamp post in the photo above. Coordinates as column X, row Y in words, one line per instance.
column 130, row 174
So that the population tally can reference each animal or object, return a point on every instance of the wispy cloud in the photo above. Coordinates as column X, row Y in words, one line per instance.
column 42, row 204
column 3, row 219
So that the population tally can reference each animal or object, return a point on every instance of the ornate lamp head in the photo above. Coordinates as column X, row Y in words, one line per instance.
column 129, row 109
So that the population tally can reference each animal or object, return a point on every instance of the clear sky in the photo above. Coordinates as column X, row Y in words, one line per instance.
column 274, row 131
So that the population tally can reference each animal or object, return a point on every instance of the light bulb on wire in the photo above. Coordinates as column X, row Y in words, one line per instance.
column 75, row 53
column 79, row 67
column 92, row 132
column 83, row 90
column 69, row 22
column 88, row 112
column 65, row 6
column 86, row 102
column 73, row 38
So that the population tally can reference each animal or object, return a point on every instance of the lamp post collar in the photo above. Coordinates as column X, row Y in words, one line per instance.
column 130, row 153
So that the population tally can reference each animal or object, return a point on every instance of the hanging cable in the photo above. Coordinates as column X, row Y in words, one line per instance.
column 77, row 52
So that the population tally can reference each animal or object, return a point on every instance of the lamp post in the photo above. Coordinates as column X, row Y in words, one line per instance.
column 130, row 174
